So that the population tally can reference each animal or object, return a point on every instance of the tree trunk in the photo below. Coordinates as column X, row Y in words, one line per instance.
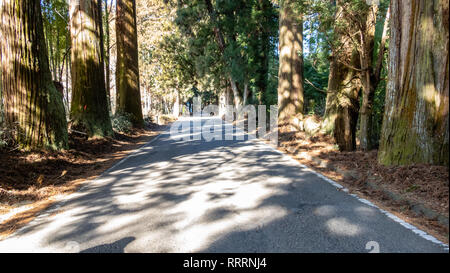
column 332, row 101
column 370, row 75
column 367, row 39
column 262, row 71
column 107, row 56
column 342, row 105
column 31, row 99
column 89, row 109
column 128, row 98
column 415, row 124
column 290, row 75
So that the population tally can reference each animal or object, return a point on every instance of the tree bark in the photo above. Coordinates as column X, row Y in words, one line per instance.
column 263, row 33
column 342, row 105
column 107, row 56
column 370, row 76
column 128, row 98
column 343, row 102
column 290, row 74
column 32, row 103
column 89, row 110
column 415, row 123
column 367, row 40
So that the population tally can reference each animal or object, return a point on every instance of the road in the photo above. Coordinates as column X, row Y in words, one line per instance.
column 214, row 196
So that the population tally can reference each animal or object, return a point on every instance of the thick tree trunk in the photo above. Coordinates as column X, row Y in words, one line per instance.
column 31, row 99
column 332, row 101
column 290, row 75
column 89, row 110
column 342, row 105
column 367, row 39
column 415, row 124
column 128, row 98
column 370, row 75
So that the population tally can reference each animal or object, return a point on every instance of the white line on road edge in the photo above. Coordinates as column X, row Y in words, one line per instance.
column 414, row 229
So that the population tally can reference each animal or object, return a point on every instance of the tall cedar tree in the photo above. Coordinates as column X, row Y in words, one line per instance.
column 89, row 109
column 32, row 101
column 342, row 105
column 290, row 76
column 127, row 70
column 415, row 124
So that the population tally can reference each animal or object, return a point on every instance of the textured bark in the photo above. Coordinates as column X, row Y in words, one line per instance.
column 32, row 103
column 370, row 75
column 290, row 74
column 367, row 40
column 415, row 124
column 89, row 110
column 1, row 94
column 128, row 98
column 342, row 105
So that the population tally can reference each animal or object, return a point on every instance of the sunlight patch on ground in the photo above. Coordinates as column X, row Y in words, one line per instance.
column 341, row 226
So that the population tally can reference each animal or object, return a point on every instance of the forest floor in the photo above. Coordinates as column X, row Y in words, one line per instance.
column 32, row 181
column 397, row 189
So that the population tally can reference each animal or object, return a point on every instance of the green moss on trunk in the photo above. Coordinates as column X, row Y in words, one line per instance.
column 89, row 107
column 32, row 103
column 415, row 124
column 290, row 75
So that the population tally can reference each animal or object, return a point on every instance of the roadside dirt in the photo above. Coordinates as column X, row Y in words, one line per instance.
column 32, row 181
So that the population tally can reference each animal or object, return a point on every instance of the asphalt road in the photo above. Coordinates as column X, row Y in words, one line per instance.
column 217, row 196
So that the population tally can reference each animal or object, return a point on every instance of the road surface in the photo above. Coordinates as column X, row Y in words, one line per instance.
column 217, row 196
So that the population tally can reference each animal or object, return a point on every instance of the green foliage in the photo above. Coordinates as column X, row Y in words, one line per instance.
column 316, row 70
column 242, row 24
column 121, row 122
column 271, row 94
column 1, row 101
column 318, row 36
